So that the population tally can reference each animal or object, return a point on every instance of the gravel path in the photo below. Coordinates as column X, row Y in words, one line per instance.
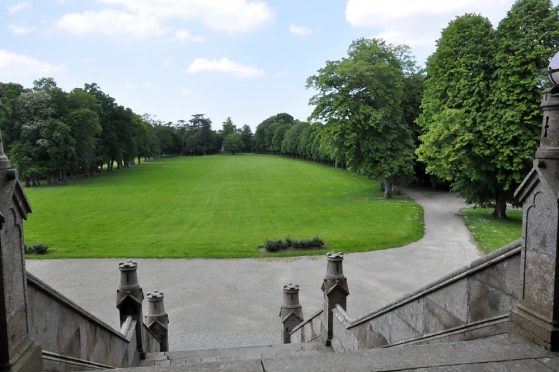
column 225, row 303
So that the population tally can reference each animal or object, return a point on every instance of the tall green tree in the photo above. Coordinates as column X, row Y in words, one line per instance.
column 228, row 127
column 360, row 98
column 525, row 41
column 233, row 143
column 247, row 137
column 454, row 104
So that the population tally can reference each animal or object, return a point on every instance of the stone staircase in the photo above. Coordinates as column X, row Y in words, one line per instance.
column 499, row 353
column 209, row 359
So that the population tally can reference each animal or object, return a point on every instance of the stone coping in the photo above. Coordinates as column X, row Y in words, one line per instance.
column 303, row 323
column 494, row 257
column 58, row 358
column 33, row 280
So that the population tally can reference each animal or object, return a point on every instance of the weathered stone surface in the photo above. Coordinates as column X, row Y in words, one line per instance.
column 18, row 352
column 446, row 355
column 538, row 192
column 487, row 301
column 460, row 304
column 452, row 299
column 62, row 327
column 437, row 318
column 503, row 276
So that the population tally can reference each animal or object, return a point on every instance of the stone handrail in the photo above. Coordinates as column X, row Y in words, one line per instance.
column 64, row 328
column 308, row 330
column 479, row 295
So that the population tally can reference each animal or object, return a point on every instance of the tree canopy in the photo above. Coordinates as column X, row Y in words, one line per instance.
column 360, row 99
column 479, row 113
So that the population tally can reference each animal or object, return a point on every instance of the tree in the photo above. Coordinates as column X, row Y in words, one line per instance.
column 265, row 131
column 85, row 128
column 360, row 98
column 454, row 105
column 526, row 39
column 247, row 138
column 233, row 143
column 480, row 109
column 292, row 137
column 228, row 128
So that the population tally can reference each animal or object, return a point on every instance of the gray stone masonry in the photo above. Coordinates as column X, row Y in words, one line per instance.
column 291, row 313
column 537, row 314
column 157, row 319
column 18, row 351
column 129, row 298
column 471, row 302
column 502, row 353
column 335, row 290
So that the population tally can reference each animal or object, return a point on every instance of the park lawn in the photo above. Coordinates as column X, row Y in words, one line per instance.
column 220, row 206
column 490, row 233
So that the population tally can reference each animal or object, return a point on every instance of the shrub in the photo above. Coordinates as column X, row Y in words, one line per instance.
column 40, row 248
column 37, row 248
column 277, row 245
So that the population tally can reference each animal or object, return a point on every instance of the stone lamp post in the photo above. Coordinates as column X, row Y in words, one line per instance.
column 536, row 316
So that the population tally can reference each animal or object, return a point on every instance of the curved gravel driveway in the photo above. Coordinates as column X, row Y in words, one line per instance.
column 222, row 303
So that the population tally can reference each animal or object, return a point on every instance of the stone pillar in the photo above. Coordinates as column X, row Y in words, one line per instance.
column 536, row 315
column 291, row 313
column 129, row 297
column 157, row 319
column 18, row 351
column 335, row 291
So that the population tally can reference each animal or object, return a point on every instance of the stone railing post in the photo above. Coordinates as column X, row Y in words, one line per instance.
column 18, row 351
column 157, row 319
column 335, row 291
column 536, row 315
column 129, row 297
column 291, row 313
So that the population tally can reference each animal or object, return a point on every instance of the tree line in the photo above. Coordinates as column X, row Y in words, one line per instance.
column 471, row 118
column 52, row 134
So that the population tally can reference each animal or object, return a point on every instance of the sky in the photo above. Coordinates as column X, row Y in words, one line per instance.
column 244, row 59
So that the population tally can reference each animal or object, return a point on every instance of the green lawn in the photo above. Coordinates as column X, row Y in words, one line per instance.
column 217, row 206
column 490, row 233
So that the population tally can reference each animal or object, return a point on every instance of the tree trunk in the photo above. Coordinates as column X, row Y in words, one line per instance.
column 500, row 210
column 387, row 189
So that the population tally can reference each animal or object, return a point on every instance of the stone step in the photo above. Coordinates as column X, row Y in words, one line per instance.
column 190, row 357
column 496, row 354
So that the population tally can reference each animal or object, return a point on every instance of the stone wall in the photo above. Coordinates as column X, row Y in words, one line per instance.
column 72, row 334
column 470, row 303
column 309, row 330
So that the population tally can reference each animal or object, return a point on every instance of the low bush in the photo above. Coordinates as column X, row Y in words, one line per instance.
column 37, row 248
column 287, row 243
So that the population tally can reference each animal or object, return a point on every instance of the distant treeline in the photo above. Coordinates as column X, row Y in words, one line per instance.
column 282, row 134
column 51, row 134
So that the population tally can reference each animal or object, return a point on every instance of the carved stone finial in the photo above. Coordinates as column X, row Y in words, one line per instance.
column 157, row 319
column 291, row 313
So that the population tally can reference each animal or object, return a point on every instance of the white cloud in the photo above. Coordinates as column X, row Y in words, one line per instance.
column 18, row 7
column 224, row 66
column 222, row 15
column 185, row 36
column 300, row 30
column 110, row 22
column 15, row 66
column 19, row 30
column 417, row 23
